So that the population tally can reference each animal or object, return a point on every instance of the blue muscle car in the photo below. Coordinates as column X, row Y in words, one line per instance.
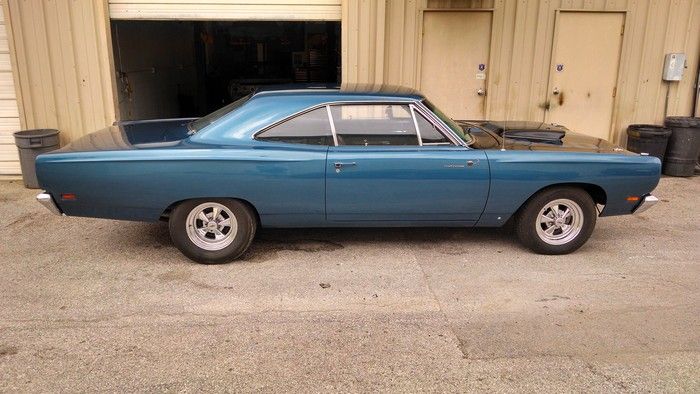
column 344, row 157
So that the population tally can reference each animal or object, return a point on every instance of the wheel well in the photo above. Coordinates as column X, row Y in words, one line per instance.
column 166, row 213
column 596, row 192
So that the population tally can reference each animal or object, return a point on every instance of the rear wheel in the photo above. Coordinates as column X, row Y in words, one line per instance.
column 557, row 221
column 212, row 231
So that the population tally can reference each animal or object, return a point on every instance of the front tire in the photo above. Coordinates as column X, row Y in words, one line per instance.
column 557, row 220
column 212, row 231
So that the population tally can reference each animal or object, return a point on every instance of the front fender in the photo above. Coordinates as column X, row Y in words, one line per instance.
column 518, row 175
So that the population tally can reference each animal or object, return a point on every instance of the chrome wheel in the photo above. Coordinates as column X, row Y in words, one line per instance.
column 211, row 226
column 559, row 222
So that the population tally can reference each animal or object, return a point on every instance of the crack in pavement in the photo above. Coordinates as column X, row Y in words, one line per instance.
column 460, row 344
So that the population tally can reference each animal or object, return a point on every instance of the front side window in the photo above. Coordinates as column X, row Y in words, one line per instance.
column 310, row 128
column 448, row 121
column 374, row 125
column 429, row 133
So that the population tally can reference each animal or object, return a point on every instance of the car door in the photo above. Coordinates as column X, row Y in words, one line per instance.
column 287, row 179
column 384, row 170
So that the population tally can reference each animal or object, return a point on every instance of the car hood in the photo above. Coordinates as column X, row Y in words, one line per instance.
column 142, row 134
column 571, row 141
column 538, row 136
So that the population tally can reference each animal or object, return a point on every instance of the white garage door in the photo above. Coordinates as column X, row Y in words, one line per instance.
column 287, row 10
column 9, row 115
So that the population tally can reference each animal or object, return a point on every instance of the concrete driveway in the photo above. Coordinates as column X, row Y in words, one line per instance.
column 90, row 305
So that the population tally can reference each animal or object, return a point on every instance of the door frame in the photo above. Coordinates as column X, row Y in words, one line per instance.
column 419, row 49
column 618, row 78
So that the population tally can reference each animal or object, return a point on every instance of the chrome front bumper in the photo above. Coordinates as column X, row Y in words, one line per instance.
column 46, row 200
column 647, row 202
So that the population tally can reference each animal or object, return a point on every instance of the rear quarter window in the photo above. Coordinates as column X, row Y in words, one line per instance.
column 310, row 128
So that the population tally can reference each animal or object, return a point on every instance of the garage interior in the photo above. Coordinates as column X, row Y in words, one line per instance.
column 167, row 69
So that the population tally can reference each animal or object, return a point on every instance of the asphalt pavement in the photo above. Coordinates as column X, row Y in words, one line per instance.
column 98, row 305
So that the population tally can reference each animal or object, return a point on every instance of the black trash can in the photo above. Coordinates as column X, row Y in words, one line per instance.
column 32, row 143
column 648, row 138
column 683, row 145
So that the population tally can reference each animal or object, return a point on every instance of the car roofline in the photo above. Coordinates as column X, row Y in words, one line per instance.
column 346, row 90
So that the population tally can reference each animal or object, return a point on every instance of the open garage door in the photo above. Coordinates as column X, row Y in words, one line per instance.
column 174, row 69
column 270, row 10
column 183, row 58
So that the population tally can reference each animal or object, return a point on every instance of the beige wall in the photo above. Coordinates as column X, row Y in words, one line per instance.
column 64, row 78
column 381, row 44
column 9, row 111
column 63, row 75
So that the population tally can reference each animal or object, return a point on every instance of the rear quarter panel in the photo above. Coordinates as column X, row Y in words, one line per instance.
column 285, row 185
column 517, row 175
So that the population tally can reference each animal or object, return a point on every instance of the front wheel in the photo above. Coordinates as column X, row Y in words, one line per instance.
column 212, row 231
column 557, row 221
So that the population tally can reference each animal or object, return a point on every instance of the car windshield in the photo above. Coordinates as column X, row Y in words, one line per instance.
column 457, row 129
column 205, row 121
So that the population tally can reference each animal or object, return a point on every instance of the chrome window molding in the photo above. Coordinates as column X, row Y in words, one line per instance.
column 437, row 122
column 327, row 103
column 332, row 122
column 415, row 105
column 402, row 103
column 288, row 118
column 412, row 108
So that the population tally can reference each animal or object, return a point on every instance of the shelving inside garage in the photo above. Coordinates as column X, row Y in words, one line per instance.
column 190, row 68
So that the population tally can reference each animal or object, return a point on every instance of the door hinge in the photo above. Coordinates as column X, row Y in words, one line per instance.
column 614, row 91
column 622, row 31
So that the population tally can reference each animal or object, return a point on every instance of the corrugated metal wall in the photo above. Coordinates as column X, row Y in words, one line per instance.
column 62, row 52
column 9, row 111
column 64, row 76
column 381, row 40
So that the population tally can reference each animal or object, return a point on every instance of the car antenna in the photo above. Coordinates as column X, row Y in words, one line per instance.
column 503, row 135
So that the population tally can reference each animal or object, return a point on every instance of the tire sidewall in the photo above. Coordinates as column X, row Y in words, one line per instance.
column 529, row 216
column 245, row 219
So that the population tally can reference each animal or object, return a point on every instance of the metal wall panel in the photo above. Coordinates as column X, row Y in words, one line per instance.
column 225, row 9
column 64, row 74
column 9, row 112
column 381, row 41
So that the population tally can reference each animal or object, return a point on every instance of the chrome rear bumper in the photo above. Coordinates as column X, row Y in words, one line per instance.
column 647, row 202
column 46, row 200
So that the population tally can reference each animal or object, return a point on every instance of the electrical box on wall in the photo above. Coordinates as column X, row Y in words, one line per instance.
column 674, row 63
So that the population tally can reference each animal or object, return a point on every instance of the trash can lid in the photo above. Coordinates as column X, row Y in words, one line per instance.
column 35, row 133
column 647, row 130
column 682, row 121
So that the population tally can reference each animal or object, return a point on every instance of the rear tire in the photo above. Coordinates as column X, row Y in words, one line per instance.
column 212, row 231
column 557, row 220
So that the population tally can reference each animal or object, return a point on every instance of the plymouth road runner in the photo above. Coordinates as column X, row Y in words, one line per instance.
column 343, row 157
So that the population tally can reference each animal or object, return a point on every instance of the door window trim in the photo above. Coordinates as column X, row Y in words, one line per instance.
column 418, row 112
column 439, row 124
column 412, row 108
column 414, row 105
column 330, row 120
column 406, row 104
column 295, row 115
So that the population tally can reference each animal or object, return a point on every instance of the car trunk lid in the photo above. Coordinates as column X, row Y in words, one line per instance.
column 143, row 134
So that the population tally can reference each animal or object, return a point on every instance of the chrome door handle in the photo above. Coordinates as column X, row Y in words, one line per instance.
column 481, row 92
column 472, row 163
column 347, row 164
